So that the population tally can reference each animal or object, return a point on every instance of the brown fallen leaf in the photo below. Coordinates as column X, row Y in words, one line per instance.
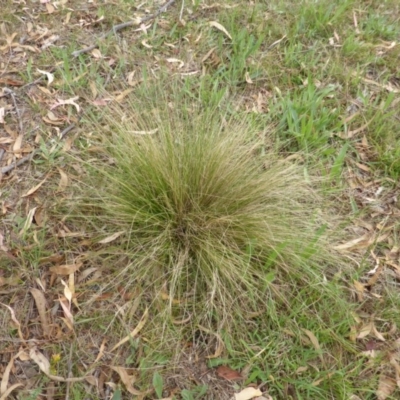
column 313, row 339
column 228, row 373
column 10, row 82
column 40, row 302
column 66, row 269
column 63, row 180
column 127, row 380
column 35, row 188
column 386, row 387
column 18, row 144
column 360, row 290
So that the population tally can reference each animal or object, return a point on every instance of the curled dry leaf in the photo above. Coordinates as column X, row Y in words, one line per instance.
column 176, row 60
column 71, row 101
column 50, row 76
column 217, row 25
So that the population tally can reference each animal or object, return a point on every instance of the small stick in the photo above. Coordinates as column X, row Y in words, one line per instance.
column 66, row 130
column 41, row 77
column 118, row 27
column 8, row 91
column 23, row 160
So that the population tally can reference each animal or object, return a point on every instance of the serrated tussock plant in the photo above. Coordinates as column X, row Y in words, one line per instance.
column 207, row 216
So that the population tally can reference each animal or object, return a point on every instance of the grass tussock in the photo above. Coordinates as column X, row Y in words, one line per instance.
column 210, row 219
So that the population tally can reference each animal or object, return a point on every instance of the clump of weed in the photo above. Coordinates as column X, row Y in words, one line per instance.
column 208, row 220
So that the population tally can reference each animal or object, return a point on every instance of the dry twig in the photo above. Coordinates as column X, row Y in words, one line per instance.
column 118, row 27
column 11, row 93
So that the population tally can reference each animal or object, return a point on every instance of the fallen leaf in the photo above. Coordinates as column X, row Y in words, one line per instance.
column 365, row 331
column 228, row 373
column 96, row 53
column 111, row 238
column 35, row 188
column 176, row 60
column 50, row 76
column 138, row 328
column 67, row 292
column 361, row 242
column 50, row 8
column 66, row 269
column 386, row 387
column 127, row 380
column 123, row 94
column 69, row 319
column 16, row 322
column 220, row 346
column 63, row 180
column 314, row 342
column 217, row 25
column 40, row 302
column 6, row 394
column 377, row 334
column 44, row 365
column 71, row 101
column 17, row 144
column 360, row 290
column 248, row 393
column 28, row 221
column 6, row 375
column 41, row 361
